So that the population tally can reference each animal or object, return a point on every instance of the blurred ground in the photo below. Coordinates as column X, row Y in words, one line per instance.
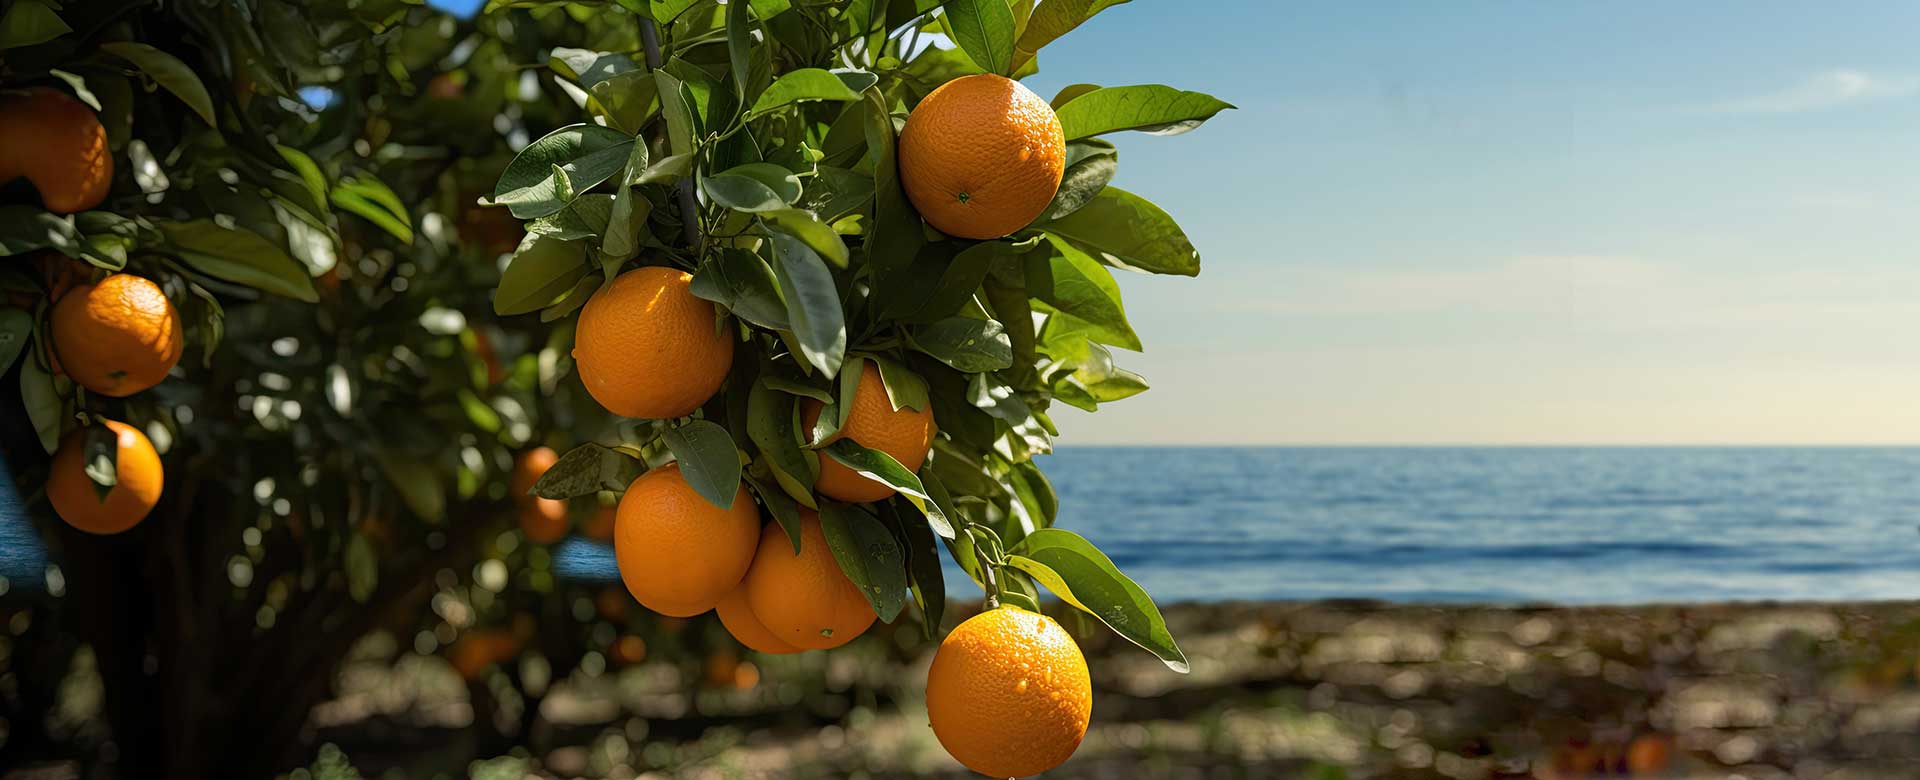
column 1322, row 690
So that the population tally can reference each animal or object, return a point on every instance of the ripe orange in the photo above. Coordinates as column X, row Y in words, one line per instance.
column 134, row 494
column 531, row 465
column 804, row 600
column 118, row 337
column 875, row 424
column 629, row 650
column 599, row 527
column 544, row 521
column 647, row 348
column 59, row 145
column 746, row 628
column 981, row 156
column 678, row 553
column 1008, row 693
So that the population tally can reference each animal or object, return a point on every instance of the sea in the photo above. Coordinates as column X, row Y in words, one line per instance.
column 1505, row 525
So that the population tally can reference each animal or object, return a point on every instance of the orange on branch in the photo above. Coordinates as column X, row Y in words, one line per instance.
column 981, row 156
column 805, row 600
column 646, row 347
column 118, row 337
column 745, row 627
column 544, row 520
column 873, row 423
column 57, row 143
column 678, row 554
column 1008, row 693
column 138, row 482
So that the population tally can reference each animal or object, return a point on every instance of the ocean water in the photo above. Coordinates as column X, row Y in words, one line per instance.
column 1500, row 525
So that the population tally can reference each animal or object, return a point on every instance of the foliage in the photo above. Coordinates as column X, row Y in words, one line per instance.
column 757, row 154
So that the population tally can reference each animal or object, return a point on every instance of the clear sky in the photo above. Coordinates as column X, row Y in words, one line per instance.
column 1514, row 222
column 1509, row 222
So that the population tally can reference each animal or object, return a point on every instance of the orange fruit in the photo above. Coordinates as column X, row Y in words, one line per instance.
column 647, row 348
column 678, row 553
column 118, row 337
column 473, row 652
column 1008, row 693
column 630, row 650
column 804, row 600
column 720, row 667
column 876, row 425
column 544, row 521
column 528, row 469
column 746, row 628
column 599, row 527
column 981, row 156
column 59, row 145
column 136, row 491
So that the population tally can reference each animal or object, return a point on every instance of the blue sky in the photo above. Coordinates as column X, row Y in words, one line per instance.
column 1509, row 222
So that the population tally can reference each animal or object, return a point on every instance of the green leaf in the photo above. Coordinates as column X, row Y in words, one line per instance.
column 31, row 22
column 1091, row 163
column 417, row 483
column 589, row 68
column 1081, row 575
column 44, row 396
column 666, row 169
column 940, row 282
column 170, row 73
column 1128, row 231
column 586, row 470
column 807, row 227
column 24, row 229
column 783, row 507
column 905, row 389
column 985, row 30
column 79, row 86
column 835, row 192
column 800, row 86
column 967, row 344
column 679, row 114
column 369, row 197
column 626, row 100
column 869, row 555
column 773, row 423
column 363, row 568
column 1148, row 108
column 16, row 329
column 924, row 574
column 585, row 154
column 542, row 269
column 742, row 283
column 753, row 187
column 309, row 171
column 627, row 215
column 1070, row 92
column 813, row 302
column 1053, row 19
column 1072, row 282
column 708, row 459
column 882, row 468
column 895, row 238
column 740, row 46
column 239, row 256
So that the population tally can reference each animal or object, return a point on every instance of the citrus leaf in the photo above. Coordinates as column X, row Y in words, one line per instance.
column 882, row 468
column 895, row 237
column 372, row 199
column 588, row 68
column 627, row 214
column 585, row 217
column 1070, row 92
column 869, row 556
column 985, row 30
column 753, row 187
column 169, row 72
column 16, row 329
column 44, row 396
column 739, row 47
column 585, row 155
column 807, row 227
column 1081, row 575
column 905, row 389
column 1128, row 231
column 784, row 509
column 25, row 228
column 1070, row 281
column 925, row 576
column 1053, row 19
column 239, row 256
column 1091, row 163
column 542, row 269
column 310, row 175
column 586, row 470
column 967, row 344
column 835, row 192
column 800, row 86
column 673, row 104
column 1148, row 108
column 813, row 302
column 742, row 283
column 773, row 425
column 31, row 22
column 708, row 459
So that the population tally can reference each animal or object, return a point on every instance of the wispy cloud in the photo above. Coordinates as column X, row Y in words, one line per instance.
column 1821, row 91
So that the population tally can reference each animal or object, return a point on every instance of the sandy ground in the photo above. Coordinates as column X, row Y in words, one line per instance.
column 1320, row 690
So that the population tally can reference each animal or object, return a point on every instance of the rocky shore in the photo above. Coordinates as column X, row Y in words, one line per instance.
column 1309, row 690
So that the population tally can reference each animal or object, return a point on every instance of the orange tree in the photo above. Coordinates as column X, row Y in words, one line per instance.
column 844, row 276
column 253, row 396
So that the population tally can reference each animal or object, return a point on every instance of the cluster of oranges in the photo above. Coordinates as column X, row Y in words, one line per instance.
column 116, row 336
column 1008, row 693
